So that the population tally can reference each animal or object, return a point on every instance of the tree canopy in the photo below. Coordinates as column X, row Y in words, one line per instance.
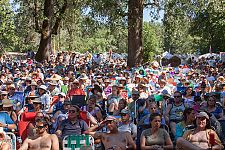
column 81, row 25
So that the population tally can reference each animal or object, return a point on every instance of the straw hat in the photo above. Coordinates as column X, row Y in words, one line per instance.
column 37, row 100
column 43, row 87
column 53, row 83
column 56, row 77
column 33, row 83
column 7, row 103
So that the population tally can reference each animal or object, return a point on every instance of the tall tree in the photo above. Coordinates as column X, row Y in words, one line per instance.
column 48, row 28
column 135, row 24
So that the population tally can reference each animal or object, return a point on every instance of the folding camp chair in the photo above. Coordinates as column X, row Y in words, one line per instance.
column 78, row 142
column 24, row 120
column 11, row 139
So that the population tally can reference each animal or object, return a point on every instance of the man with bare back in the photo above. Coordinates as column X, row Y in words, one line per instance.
column 42, row 140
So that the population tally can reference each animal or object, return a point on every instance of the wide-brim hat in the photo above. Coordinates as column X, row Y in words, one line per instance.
column 202, row 114
column 3, row 93
column 43, row 87
column 33, row 83
column 110, row 118
column 37, row 100
column 56, row 77
column 63, row 94
column 12, row 86
column 83, row 77
column 76, row 81
column 66, row 79
column 122, row 79
column 7, row 103
column 53, row 83
column 31, row 96
column 165, row 93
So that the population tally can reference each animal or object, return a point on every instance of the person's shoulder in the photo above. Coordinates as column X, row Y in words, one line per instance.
column 53, row 136
column 146, row 131
column 65, row 121
column 82, row 121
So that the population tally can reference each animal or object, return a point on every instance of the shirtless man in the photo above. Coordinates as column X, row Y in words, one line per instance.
column 114, row 140
column 42, row 140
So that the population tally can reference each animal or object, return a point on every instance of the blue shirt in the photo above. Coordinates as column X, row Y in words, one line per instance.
column 5, row 119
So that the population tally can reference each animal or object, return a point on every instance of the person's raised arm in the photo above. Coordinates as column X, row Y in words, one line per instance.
column 167, row 114
column 91, row 130
column 55, row 142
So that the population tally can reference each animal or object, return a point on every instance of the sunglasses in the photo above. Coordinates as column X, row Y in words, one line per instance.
column 123, row 114
column 110, row 121
column 40, row 127
column 72, row 111
column 61, row 96
column 177, row 96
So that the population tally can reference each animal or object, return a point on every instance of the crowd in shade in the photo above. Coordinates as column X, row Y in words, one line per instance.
column 81, row 101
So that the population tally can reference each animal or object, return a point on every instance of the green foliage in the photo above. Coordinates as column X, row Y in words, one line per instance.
column 8, row 38
column 209, row 25
column 152, row 40
column 192, row 25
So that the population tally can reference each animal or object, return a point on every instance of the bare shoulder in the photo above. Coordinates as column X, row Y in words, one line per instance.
column 100, row 134
column 53, row 136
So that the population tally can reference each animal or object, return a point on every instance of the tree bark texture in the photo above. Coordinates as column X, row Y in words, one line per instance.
column 135, row 24
column 45, row 42
column 48, row 29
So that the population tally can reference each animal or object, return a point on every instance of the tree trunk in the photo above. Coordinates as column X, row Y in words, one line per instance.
column 45, row 43
column 135, row 23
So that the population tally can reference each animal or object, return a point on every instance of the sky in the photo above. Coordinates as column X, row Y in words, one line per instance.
column 147, row 17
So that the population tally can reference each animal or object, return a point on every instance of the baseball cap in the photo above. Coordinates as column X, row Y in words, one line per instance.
column 202, row 114
column 110, row 118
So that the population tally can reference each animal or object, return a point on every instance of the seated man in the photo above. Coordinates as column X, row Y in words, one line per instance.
column 126, row 124
column 114, row 140
column 72, row 125
column 42, row 140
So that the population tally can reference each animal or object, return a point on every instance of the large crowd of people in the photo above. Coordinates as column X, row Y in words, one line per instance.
column 48, row 105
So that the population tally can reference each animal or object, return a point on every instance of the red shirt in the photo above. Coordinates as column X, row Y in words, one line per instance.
column 76, row 91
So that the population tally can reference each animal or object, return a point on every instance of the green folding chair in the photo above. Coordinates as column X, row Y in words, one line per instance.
column 78, row 142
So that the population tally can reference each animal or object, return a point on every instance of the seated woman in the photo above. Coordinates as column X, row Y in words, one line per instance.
column 197, row 103
column 201, row 137
column 189, row 117
column 122, row 105
column 152, row 109
column 214, row 109
column 93, row 108
column 8, row 107
column 155, row 138
column 188, row 96
column 113, row 100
